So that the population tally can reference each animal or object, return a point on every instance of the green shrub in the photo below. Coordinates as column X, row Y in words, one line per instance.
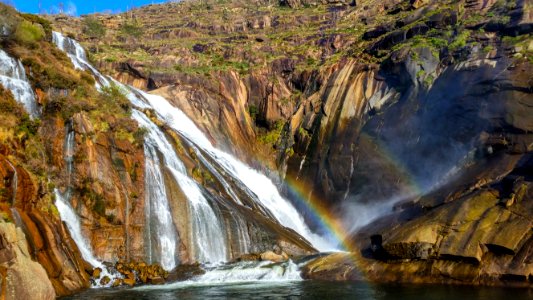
column 93, row 27
column 460, row 40
column 35, row 19
column 131, row 29
column 28, row 34
column 253, row 111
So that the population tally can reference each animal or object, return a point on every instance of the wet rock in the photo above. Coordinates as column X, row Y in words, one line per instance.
column 271, row 256
column 157, row 280
column 96, row 273
column 118, row 282
column 250, row 257
column 128, row 281
column 105, row 280
column 185, row 272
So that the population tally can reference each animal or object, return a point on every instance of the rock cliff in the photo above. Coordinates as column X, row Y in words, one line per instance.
column 420, row 109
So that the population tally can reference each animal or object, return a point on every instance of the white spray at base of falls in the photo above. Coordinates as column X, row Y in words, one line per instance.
column 13, row 77
column 242, row 272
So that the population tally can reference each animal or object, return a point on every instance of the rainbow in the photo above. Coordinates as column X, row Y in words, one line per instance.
column 321, row 215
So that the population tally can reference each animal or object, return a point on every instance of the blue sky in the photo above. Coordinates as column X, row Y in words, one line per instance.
column 77, row 7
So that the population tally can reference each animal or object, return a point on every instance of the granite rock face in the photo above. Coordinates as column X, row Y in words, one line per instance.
column 21, row 277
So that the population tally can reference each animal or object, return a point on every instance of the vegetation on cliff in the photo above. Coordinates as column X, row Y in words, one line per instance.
column 363, row 102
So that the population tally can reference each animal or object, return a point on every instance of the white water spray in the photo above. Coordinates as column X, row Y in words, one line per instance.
column 243, row 272
column 13, row 77
column 206, row 226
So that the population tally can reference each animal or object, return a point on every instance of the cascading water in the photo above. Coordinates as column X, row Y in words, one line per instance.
column 241, row 272
column 13, row 77
column 263, row 188
column 69, row 216
column 207, row 229
column 69, row 157
column 77, row 55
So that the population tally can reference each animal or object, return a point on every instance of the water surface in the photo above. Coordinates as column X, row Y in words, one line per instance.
column 308, row 290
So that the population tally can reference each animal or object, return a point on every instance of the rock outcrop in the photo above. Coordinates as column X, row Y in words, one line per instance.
column 421, row 107
column 21, row 277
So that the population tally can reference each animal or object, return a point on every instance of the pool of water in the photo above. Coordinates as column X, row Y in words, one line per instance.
column 305, row 290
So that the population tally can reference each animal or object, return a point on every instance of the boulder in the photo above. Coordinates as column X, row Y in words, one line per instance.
column 129, row 281
column 271, row 256
column 22, row 278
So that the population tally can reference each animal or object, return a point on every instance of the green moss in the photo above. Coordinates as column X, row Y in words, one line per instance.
column 54, row 211
column 28, row 34
column 460, row 40
column 253, row 111
column 36, row 19
column 273, row 135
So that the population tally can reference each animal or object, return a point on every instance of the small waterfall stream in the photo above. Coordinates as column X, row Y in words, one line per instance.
column 68, row 214
column 13, row 77
column 207, row 229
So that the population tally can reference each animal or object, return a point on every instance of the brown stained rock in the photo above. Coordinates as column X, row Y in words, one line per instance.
column 250, row 257
column 273, row 257
column 105, row 280
column 118, row 282
column 128, row 281
column 112, row 170
column 157, row 280
column 22, row 278
column 96, row 273
column 334, row 267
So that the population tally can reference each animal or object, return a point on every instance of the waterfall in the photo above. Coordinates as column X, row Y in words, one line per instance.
column 263, row 188
column 69, row 216
column 207, row 231
column 208, row 235
column 68, row 149
column 13, row 77
column 241, row 272
column 77, row 55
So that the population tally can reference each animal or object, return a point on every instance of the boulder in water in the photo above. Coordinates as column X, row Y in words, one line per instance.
column 105, row 280
column 96, row 273
column 249, row 257
column 271, row 256
column 130, row 282
column 118, row 282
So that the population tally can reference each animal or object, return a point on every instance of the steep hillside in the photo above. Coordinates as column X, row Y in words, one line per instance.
column 405, row 124
column 78, row 179
column 424, row 106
